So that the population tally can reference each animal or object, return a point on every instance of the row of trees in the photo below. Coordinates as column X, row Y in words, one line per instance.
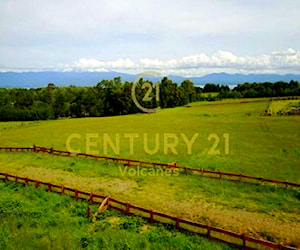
column 265, row 89
column 113, row 97
column 107, row 98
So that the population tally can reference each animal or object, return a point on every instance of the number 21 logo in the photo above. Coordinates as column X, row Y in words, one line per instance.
column 147, row 96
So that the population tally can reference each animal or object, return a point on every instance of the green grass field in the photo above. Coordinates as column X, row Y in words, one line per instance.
column 260, row 146
column 229, row 135
column 34, row 219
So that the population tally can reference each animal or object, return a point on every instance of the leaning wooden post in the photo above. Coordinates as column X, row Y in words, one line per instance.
column 103, row 206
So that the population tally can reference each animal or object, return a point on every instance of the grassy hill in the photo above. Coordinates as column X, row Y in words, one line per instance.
column 229, row 135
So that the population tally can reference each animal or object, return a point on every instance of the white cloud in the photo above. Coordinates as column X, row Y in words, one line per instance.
column 85, row 64
column 121, row 64
column 277, row 61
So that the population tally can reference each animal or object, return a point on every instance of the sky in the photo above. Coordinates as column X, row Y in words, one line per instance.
column 178, row 37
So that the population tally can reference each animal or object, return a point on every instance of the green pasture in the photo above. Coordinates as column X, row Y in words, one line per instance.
column 34, row 219
column 228, row 135
column 256, row 145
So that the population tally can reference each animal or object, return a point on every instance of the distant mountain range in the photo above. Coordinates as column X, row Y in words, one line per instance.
column 41, row 79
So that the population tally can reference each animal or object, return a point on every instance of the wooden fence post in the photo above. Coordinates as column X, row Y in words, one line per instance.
column 76, row 194
column 88, row 212
column 62, row 189
column 151, row 216
column 177, row 223
column 127, row 209
column 244, row 240
column 208, row 231
column 49, row 187
column 91, row 198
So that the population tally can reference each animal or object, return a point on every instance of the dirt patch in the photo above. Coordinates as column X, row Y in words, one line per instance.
column 60, row 177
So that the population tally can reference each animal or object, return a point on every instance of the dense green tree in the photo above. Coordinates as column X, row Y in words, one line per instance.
column 210, row 87
column 113, row 97
column 188, row 91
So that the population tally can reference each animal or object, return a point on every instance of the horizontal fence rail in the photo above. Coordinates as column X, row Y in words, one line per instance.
column 239, row 240
column 133, row 163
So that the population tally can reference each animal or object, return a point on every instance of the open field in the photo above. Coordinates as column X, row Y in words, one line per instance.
column 256, row 145
column 260, row 146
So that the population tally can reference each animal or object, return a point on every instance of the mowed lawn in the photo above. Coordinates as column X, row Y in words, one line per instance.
column 228, row 135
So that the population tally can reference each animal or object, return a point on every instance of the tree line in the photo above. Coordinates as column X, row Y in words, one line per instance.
column 114, row 97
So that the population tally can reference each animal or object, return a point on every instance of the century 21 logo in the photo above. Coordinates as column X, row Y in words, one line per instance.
column 145, row 85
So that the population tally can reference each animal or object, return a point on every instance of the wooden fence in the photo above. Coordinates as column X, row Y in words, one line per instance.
column 238, row 240
column 133, row 163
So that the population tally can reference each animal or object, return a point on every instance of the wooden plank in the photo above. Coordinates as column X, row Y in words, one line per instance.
column 226, row 232
column 118, row 202
column 192, row 223
column 140, row 209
